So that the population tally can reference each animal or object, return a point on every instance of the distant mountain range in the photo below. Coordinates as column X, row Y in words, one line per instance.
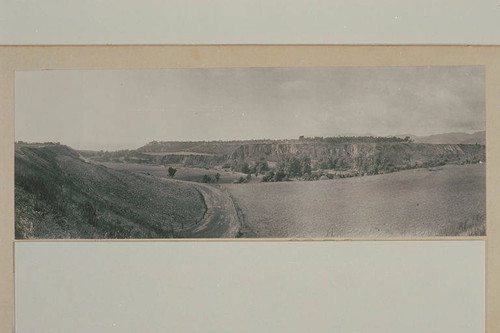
column 450, row 138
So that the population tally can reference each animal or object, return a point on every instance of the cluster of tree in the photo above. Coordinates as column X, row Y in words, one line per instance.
column 260, row 167
column 295, row 167
column 289, row 167
column 277, row 176
column 241, row 166
column 300, row 168
column 334, row 163
column 210, row 179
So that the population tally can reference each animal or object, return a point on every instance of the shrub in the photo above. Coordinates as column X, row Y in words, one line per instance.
column 241, row 180
column 171, row 172
column 269, row 176
column 206, row 179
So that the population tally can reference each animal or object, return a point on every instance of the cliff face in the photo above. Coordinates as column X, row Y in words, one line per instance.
column 364, row 157
column 276, row 151
column 359, row 155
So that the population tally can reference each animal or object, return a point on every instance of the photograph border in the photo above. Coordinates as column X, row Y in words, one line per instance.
column 22, row 58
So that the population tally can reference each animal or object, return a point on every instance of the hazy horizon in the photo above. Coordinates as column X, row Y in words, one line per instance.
column 125, row 109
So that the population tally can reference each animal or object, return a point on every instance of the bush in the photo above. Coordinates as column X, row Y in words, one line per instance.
column 269, row 176
column 280, row 176
column 171, row 172
column 241, row 180
column 206, row 179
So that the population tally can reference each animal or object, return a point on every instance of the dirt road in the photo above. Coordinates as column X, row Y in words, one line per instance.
column 220, row 219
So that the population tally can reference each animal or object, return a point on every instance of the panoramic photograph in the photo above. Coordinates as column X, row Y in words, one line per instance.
column 293, row 152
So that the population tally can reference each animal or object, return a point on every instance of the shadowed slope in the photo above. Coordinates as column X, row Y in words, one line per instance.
column 59, row 195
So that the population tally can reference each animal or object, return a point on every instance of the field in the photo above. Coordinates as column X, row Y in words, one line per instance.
column 183, row 153
column 183, row 173
column 442, row 201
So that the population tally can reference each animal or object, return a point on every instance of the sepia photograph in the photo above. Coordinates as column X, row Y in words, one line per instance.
column 272, row 152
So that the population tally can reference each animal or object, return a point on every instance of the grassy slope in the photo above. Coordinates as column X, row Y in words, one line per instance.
column 58, row 195
column 448, row 200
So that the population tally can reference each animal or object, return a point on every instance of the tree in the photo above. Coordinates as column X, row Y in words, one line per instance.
column 261, row 166
column 292, row 166
column 171, row 172
column 253, row 169
column 217, row 177
column 245, row 168
column 280, row 176
column 306, row 165
column 206, row 179
column 269, row 176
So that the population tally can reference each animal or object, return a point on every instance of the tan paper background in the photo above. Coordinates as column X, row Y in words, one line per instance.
column 141, row 57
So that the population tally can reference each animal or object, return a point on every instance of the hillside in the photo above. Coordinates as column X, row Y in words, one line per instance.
column 478, row 137
column 310, row 158
column 451, row 138
column 59, row 195
column 204, row 147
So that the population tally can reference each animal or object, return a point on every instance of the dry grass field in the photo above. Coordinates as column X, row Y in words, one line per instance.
column 442, row 201
column 183, row 173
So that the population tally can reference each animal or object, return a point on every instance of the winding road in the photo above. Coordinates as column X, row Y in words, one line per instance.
column 221, row 218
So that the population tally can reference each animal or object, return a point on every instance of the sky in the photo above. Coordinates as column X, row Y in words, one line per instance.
column 125, row 109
